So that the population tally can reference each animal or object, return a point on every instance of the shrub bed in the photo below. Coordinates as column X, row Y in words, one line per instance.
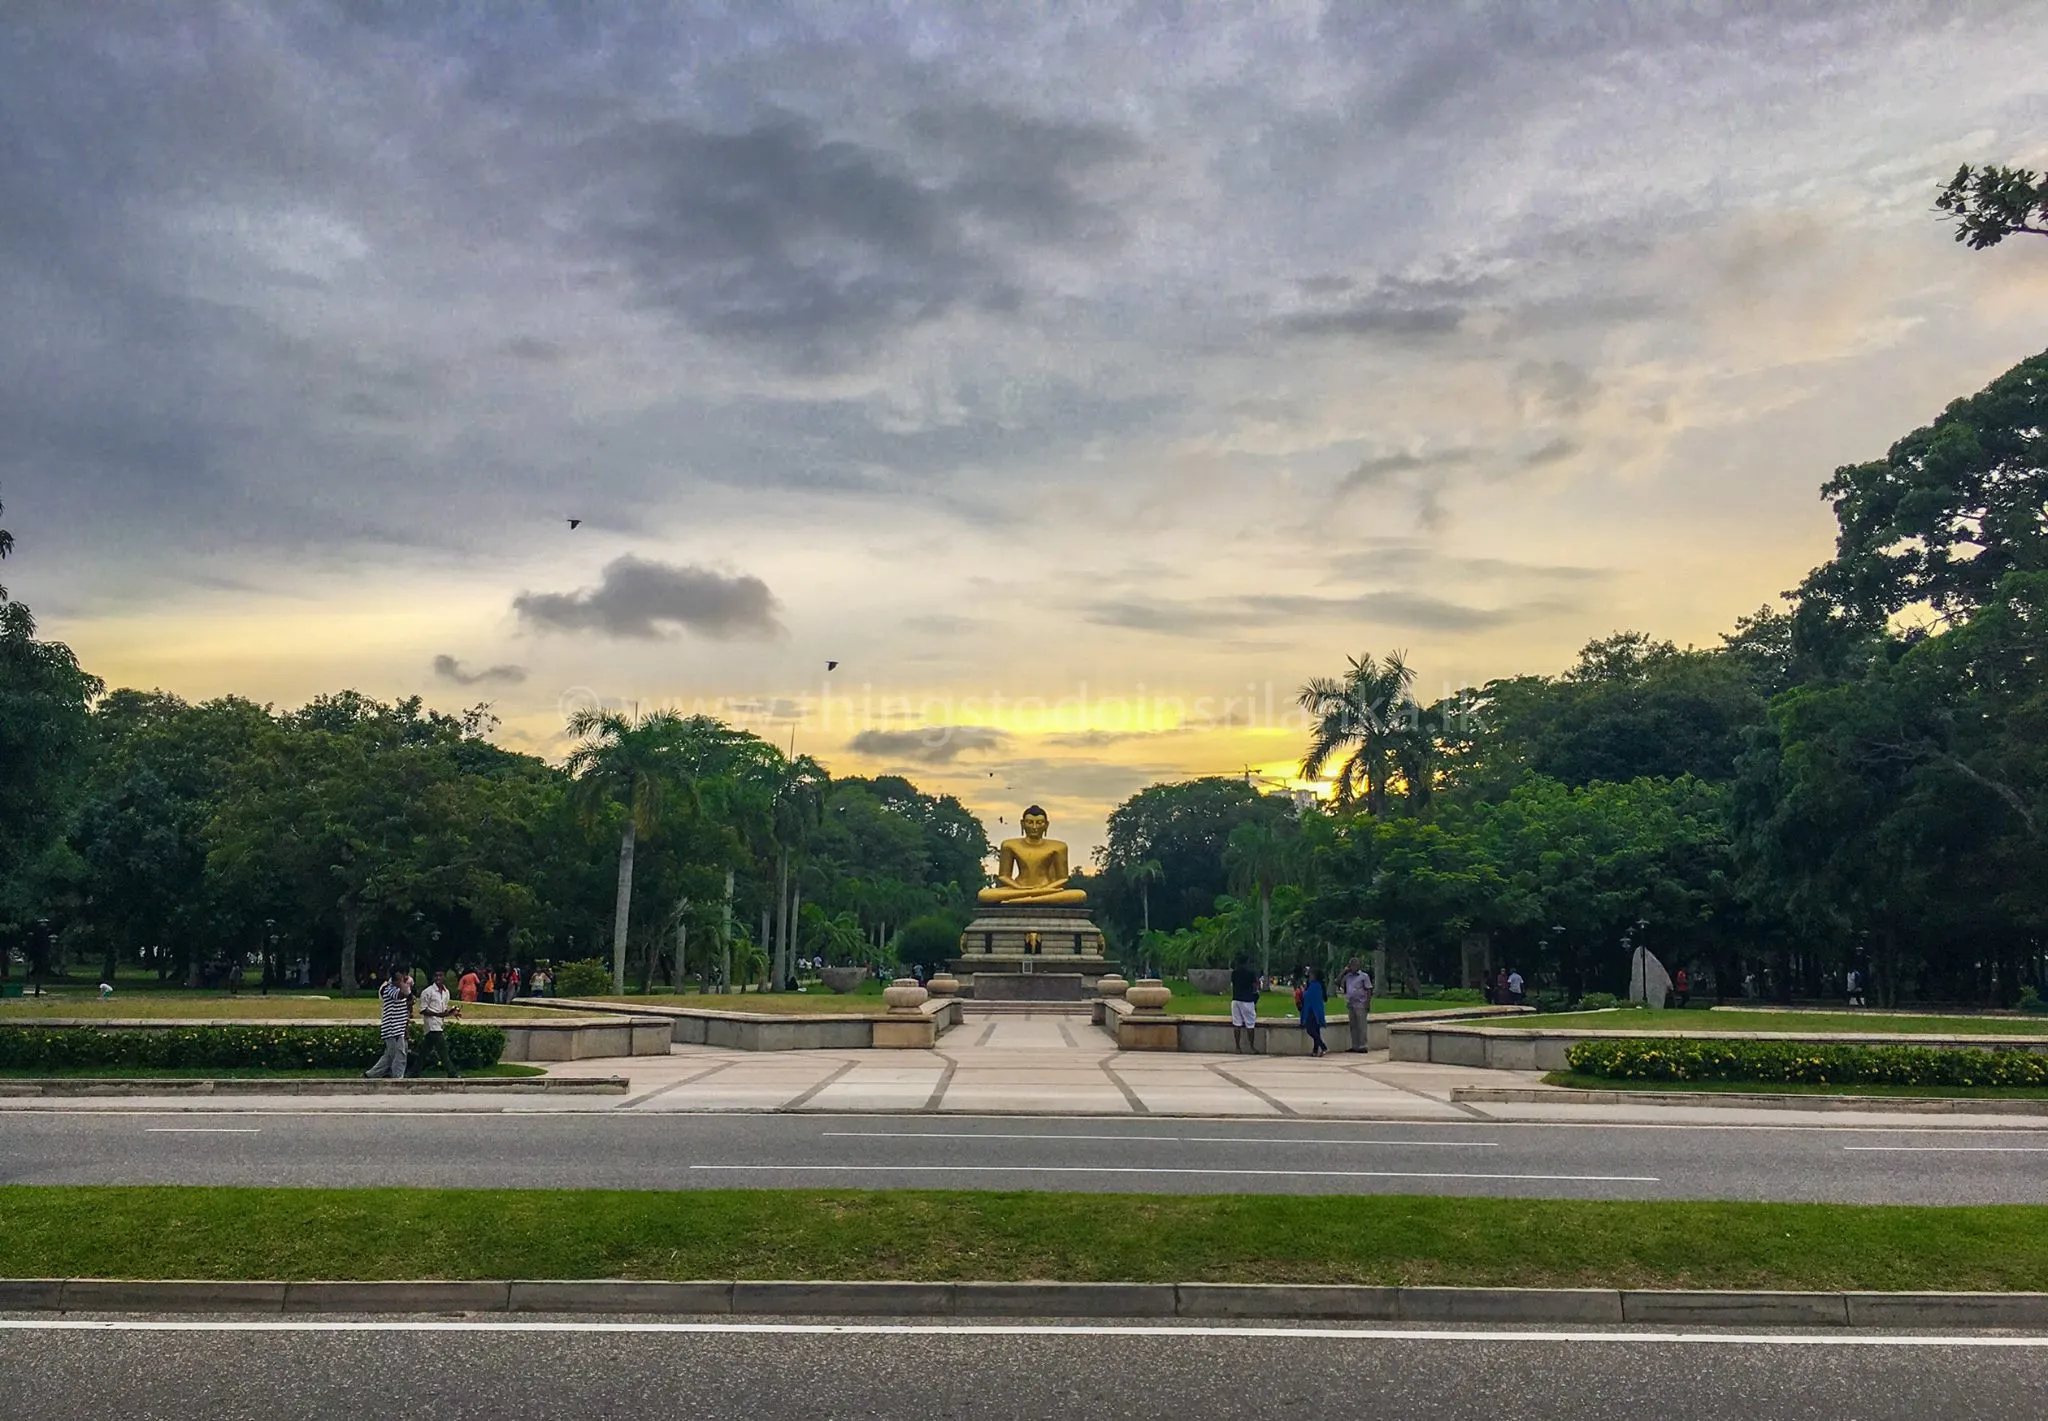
column 1640, row 1059
column 588, row 978
column 279, row 1048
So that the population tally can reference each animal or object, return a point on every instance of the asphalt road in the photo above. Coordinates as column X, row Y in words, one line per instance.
column 1801, row 1162
column 537, row 1373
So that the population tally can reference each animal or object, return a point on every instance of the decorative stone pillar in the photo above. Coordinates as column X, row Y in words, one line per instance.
column 943, row 984
column 904, row 996
column 905, row 1026
column 1148, row 994
column 1111, row 984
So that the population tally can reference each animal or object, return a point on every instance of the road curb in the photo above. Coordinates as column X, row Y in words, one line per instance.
column 1206, row 1301
column 483, row 1085
column 1731, row 1100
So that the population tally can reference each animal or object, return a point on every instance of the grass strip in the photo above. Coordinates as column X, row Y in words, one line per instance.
column 238, row 1073
column 1642, row 1022
column 1577, row 1081
column 215, row 1233
column 27, row 1011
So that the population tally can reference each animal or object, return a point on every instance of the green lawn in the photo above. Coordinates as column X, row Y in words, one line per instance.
column 1657, row 1023
column 1188, row 1003
column 236, row 1073
column 1955, row 1092
column 219, row 1006
column 816, row 1001
column 178, row 1232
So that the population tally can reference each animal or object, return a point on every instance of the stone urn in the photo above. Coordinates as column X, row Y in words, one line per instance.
column 1148, row 994
column 1111, row 984
column 943, row 984
column 1210, row 981
column 904, row 994
column 844, row 979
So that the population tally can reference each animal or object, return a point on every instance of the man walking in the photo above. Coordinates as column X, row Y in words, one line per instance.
column 395, row 1015
column 1357, row 985
column 435, row 1009
column 1515, row 988
column 1244, row 1007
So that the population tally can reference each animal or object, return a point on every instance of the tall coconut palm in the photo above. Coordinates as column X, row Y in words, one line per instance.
column 1259, row 858
column 799, row 798
column 1145, row 874
column 629, row 762
column 1370, row 709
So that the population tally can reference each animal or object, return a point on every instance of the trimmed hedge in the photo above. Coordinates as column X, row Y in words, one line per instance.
column 588, row 978
column 280, row 1048
column 1805, row 1063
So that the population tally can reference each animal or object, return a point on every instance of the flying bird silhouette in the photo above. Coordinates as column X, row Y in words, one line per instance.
column 575, row 523
column 831, row 666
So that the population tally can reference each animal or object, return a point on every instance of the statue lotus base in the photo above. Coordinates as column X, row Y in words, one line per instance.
column 1007, row 942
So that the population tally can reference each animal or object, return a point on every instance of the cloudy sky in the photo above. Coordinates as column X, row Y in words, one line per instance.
column 1081, row 379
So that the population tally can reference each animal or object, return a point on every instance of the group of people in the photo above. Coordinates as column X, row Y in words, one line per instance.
column 395, row 1003
column 1311, row 1004
column 437, row 1007
column 1505, row 989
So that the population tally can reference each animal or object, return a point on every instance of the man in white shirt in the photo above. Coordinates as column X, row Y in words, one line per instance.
column 436, row 1008
column 1515, row 988
column 1357, row 985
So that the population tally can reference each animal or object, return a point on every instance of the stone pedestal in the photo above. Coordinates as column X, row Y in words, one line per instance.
column 1008, row 941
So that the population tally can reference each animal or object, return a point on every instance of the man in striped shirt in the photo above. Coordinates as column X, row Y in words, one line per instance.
column 395, row 1002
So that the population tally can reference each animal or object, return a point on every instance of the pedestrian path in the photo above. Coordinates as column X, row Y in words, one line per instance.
column 1041, row 1064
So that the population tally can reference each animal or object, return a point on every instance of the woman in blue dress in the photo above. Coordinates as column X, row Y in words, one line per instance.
column 1312, row 1011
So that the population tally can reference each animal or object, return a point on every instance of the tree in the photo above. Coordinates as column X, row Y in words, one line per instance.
column 1944, row 516
column 1991, row 203
column 629, row 763
column 45, row 700
column 1368, row 710
column 1185, row 827
column 344, row 818
column 1144, row 874
column 1259, row 858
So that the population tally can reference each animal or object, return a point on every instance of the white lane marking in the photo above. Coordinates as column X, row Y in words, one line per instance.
column 1147, row 1139
column 202, row 1130
column 1947, row 1149
column 890, row 1329
column 1161, row 1169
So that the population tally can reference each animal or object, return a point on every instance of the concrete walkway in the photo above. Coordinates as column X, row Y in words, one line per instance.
column 1051, row 1065
column 1043, row 1065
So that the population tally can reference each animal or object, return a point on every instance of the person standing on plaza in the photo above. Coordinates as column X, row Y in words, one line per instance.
column 435, row 1009
column 394, row 1017
column 466, row 986
column 1312, row 1011
column 1356, row 984
column 1515, row 988
column 1244, row 1007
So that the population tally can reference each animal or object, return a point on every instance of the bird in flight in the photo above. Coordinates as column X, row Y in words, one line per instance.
column 831, row 666
column 575, row 523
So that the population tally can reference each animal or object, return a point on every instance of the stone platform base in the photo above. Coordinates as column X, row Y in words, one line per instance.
column 1029, row 986
column 1004, row 931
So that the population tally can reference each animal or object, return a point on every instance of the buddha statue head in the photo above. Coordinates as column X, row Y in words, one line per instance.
column 1034, row 822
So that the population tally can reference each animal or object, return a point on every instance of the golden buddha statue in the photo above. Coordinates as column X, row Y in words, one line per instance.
column 1033, row 869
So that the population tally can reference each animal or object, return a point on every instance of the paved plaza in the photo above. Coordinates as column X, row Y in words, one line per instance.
column 1043, row 1064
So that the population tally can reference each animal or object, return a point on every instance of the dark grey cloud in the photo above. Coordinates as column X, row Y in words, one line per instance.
column 942, row 624
column 1551, row 451
column 930, row 744
column 1419, row 611
column 1389, row 308
column 1417, row 562
column 815, row 246
column 1376, row 470
column 637, row 597
column 450, row 669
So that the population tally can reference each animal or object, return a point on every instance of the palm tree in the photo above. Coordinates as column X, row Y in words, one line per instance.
column 1146, row 874
column 623, row 761
column 1259, row 858
column 800, row 786
column 1370, row 708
